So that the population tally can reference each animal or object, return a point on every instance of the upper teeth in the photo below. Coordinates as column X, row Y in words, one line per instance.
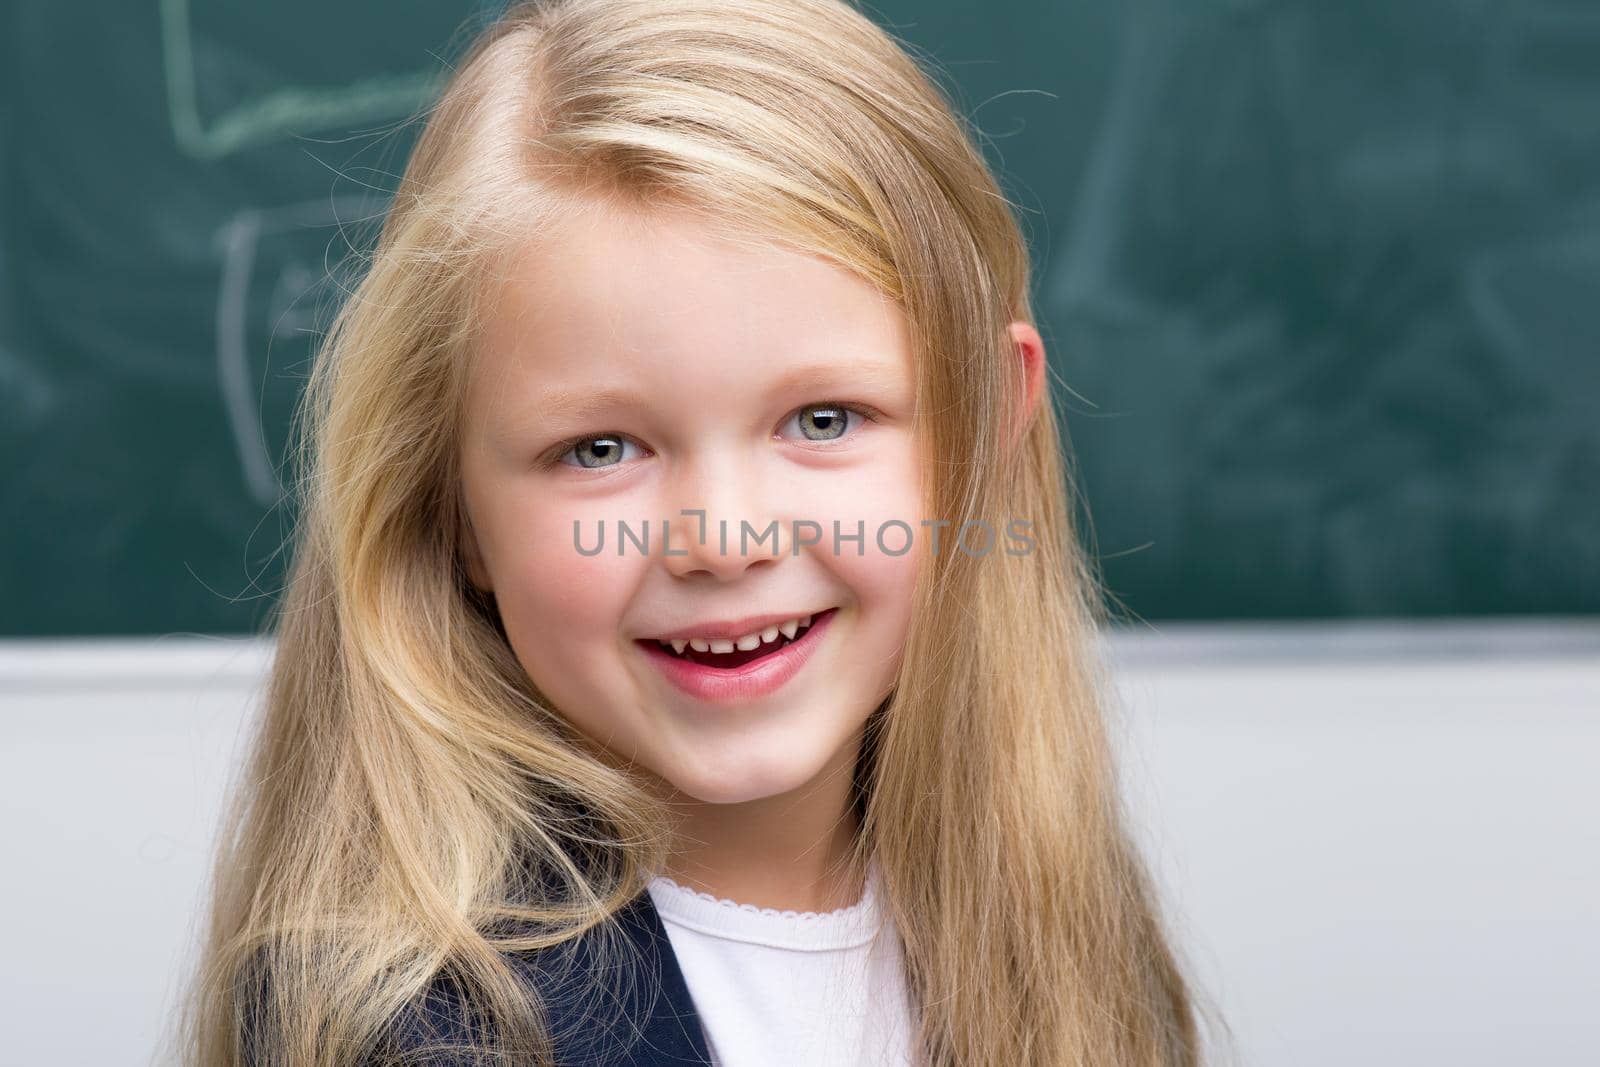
column 749, row 641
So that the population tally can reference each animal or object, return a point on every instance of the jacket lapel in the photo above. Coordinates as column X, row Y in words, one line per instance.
column 646, row 1015
column 614, row 999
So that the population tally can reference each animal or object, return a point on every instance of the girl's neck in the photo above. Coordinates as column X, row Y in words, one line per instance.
column 792, row 851
column 768, row 873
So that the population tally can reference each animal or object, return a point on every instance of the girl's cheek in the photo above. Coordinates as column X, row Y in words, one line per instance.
column 576, row 581
column 563, row 609
column 882, row 502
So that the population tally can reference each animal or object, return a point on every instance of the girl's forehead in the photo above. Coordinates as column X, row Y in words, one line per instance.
column 626, row 294
column 665, row 266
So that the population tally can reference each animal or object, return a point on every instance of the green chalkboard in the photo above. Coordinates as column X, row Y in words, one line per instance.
column 1320, row 284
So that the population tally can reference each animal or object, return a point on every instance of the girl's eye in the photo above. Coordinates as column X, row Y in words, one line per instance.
column 828, row 422
column 604, row 450
column 818, row 423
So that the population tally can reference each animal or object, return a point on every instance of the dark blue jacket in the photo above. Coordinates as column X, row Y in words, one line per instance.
column 649, row 1017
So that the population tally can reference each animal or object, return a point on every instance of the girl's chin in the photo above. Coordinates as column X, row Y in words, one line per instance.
column 735, row 791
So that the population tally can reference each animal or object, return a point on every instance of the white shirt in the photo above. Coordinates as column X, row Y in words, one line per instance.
column 825, row 989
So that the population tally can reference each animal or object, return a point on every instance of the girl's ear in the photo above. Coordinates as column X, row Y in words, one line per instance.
column 1028, row 349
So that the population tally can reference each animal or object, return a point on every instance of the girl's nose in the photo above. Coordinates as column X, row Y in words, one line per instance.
column 731, row 544
column 726, row 529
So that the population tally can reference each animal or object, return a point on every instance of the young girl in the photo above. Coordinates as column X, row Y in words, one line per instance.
column 687, row 655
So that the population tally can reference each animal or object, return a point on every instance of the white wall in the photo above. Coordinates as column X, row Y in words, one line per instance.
column 1378, row 845
column 1382, row 845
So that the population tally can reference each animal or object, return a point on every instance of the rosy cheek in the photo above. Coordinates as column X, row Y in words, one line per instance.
column 563, row 609
column 880, row 577
column 575, row 592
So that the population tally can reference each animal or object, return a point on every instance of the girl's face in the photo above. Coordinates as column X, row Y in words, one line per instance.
column 633, row 368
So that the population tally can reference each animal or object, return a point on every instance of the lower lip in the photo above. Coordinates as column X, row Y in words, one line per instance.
column 755, row 679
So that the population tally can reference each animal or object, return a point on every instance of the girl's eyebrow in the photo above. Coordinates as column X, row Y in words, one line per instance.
column 854, row 375
column 558, row 406
column 587, row 403
column 591, row 403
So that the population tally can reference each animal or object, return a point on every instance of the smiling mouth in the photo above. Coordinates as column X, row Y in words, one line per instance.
column 736, row 658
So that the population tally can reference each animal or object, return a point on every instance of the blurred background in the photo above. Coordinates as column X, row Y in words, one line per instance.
column 1321, row 287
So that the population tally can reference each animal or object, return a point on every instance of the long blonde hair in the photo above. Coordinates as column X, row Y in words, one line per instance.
column 407, row 775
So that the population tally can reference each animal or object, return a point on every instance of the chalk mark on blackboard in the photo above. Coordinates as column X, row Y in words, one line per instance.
column 1550, row 358
column 239, row 239
column 29, row 394
column 286, row 111
column 1083, row 274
